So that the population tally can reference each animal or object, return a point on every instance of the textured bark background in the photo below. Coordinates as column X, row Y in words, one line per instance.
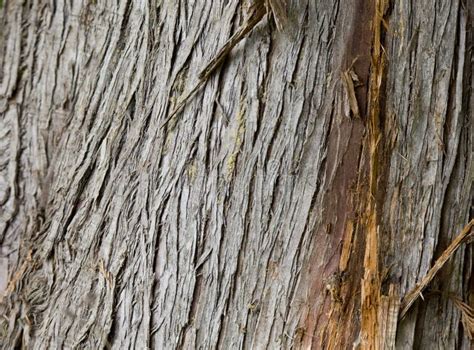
column 243, row 223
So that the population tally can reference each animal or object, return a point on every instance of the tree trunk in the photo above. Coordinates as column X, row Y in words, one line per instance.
column 301, row 193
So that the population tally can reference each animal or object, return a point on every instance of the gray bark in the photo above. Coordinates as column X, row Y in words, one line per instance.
column 241, row 223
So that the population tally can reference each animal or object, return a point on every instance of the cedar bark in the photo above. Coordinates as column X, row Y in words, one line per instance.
column 304, row 190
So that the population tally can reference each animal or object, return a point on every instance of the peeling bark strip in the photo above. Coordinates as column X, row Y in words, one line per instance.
column 411, row 296
column 255, row 15
column 250, row 223
column 276, row 8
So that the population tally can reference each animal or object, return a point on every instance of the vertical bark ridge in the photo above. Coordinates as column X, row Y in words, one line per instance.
column 426, row 139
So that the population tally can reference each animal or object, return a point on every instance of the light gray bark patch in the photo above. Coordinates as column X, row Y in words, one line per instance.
column 427, row 131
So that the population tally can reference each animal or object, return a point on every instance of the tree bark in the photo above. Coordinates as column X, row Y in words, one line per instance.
column 306, row 188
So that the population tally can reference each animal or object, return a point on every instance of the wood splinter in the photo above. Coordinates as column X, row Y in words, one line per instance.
column 256, row 14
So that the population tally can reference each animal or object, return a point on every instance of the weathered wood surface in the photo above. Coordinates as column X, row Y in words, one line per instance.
column 241, row 224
